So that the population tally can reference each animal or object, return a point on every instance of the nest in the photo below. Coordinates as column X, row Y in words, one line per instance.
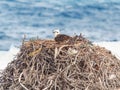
column 76, row 64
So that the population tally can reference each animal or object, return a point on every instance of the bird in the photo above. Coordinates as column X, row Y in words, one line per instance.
column 59, row 38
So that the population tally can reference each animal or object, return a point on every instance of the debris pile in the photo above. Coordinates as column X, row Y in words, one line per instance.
column 76, row 64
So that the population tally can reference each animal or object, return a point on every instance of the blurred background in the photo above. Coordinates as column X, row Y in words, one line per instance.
column 97, row 20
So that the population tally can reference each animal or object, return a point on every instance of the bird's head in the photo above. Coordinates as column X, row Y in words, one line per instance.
column 56, row 32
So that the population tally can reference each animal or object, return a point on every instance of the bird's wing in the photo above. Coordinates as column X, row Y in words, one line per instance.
column 62, row 37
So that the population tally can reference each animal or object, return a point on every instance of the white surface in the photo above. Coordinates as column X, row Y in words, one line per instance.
column 114, row 47
column 7, row 56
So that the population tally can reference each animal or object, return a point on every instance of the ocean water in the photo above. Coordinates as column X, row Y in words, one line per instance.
column 97, row 20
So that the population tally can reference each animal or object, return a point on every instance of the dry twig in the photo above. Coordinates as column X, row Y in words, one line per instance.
column 46, row 65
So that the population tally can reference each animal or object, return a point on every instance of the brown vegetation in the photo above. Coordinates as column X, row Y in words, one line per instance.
column 72, row 65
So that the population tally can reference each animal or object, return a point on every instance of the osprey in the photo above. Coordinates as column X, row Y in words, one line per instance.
column 60, row 37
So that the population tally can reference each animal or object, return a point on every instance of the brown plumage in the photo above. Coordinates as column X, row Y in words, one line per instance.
column 62, row 38
column 59, row 38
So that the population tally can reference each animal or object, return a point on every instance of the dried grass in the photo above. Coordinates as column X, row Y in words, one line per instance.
column 46, row 65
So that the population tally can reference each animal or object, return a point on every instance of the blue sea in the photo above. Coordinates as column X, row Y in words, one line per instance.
column 97, row 20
